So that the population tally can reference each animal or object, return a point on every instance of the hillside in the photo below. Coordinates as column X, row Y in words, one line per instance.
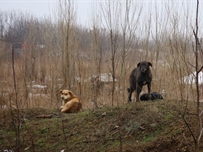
column 136, row 127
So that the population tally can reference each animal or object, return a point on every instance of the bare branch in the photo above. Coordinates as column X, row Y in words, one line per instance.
column 188, row 126
column 201, row 113
column 200, row 69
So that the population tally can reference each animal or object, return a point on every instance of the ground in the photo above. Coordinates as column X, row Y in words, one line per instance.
column 137, row 127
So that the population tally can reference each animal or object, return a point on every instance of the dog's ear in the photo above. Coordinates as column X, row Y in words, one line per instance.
column 60, row 91
column 138, row 64
column 71, row 93
column 150, row 64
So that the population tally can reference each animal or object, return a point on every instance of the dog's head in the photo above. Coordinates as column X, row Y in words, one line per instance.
column 144, row 66
column 66, row 94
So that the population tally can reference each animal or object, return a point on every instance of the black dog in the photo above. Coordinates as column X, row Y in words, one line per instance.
column 139, row 77
column 154, row 96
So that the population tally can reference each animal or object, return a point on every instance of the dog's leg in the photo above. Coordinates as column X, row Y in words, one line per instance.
column 64, row 109
column 130, row 90
column 149, row 90
column 138, row 90
column 62, row 105
column 67, row 108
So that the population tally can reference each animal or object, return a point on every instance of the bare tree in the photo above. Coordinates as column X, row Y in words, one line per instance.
column 198, row 68
column 110, row 12
column 130, row 17
column 97, row 56
column 182, row 65
column 67, row 19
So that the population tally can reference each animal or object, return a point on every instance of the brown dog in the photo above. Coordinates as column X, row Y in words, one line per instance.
column 70, row 102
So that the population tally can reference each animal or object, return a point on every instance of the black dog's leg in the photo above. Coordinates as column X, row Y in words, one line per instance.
column 130, row 91
column 149, row 90
column 138, row 90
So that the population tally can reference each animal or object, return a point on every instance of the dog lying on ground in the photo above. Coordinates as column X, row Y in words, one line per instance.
column 154, row 96
column 139, row 77
column 70, row 102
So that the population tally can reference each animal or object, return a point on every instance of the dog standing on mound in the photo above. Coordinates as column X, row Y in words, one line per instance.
column 139, row 77
column 70, row 102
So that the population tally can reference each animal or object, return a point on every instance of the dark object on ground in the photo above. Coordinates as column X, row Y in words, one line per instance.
column 153, row 96
column 139, row 77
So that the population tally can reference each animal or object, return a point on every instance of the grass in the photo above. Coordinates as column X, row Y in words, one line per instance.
column 168, row 116
column 152, row 136
column 136, row 126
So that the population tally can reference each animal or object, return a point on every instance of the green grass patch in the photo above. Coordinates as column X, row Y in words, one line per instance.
column 168, row 116
column 151, row 136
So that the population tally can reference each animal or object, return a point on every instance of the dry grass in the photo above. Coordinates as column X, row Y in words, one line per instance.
column 166, row 76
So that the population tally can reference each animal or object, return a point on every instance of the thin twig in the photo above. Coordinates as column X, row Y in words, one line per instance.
column 18, row 123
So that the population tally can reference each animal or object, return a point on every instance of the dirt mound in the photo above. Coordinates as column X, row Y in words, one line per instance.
column 144, row 126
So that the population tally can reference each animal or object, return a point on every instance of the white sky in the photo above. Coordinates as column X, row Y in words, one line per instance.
column 41, row 8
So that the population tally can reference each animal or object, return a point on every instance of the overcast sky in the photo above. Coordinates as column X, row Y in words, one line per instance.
column 35, row 7
column 41, row 8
